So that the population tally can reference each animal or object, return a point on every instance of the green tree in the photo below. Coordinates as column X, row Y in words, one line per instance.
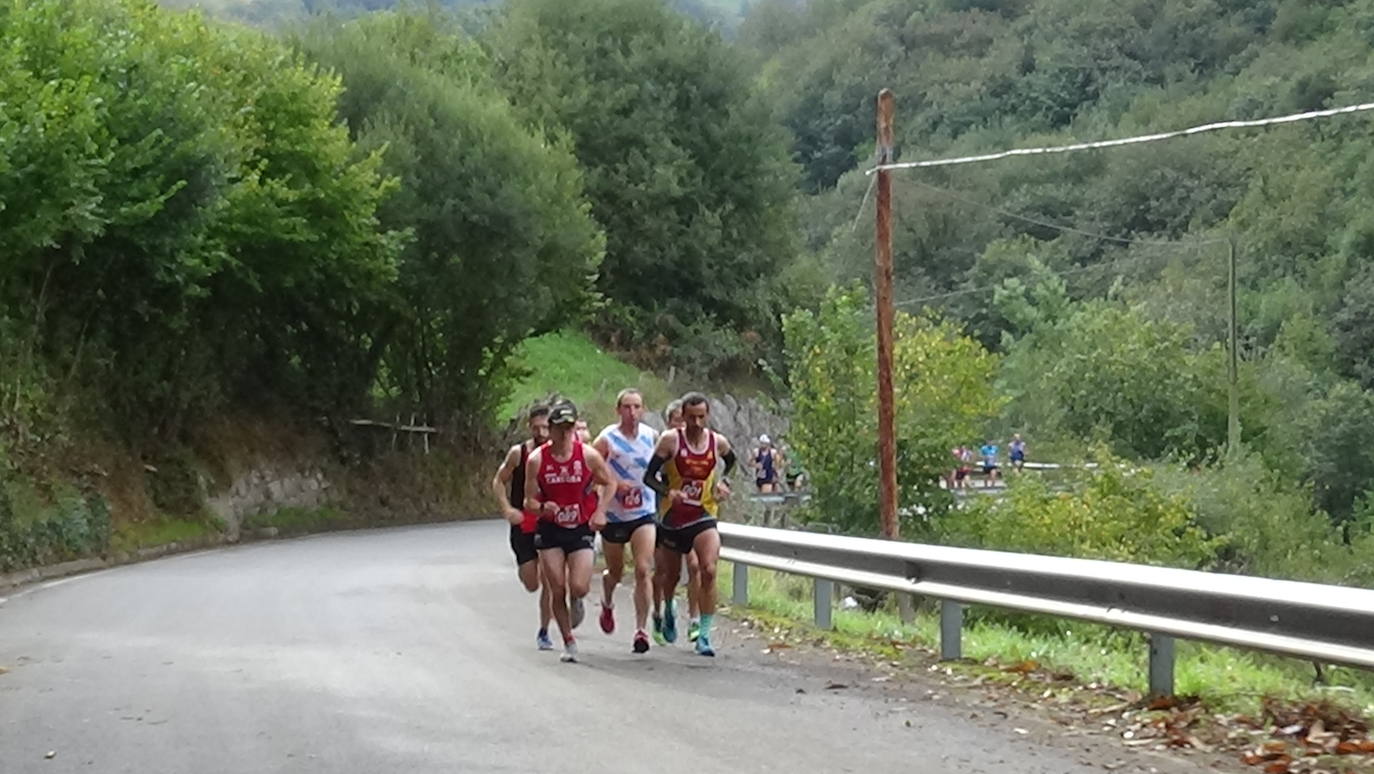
column 503, row 244
column 943, row 394
column 684, row 169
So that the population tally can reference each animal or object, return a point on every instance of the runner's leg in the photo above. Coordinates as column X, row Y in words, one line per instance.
column 529, row 574
column 551, row 561
column 669, row 572
column 642, row 548
column 707, row 549
column 610, row 578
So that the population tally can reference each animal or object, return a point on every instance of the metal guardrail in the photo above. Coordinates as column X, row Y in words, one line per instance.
column 1330, row 624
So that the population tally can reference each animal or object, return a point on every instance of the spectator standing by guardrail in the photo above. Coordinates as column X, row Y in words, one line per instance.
column 990, row 467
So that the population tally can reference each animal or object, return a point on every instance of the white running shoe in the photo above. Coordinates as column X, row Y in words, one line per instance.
column 569, row 653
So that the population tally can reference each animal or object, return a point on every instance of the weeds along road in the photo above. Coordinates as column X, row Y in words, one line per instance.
column 412, row 650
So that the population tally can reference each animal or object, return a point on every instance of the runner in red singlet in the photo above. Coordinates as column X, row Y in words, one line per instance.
column 508, row 485
column 568, row 484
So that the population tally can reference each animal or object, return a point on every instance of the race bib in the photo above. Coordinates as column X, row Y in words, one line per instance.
column 633, row 498
column 568, row 516
column 692, row 490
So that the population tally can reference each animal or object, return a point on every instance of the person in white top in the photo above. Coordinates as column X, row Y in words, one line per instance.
column 627, row 447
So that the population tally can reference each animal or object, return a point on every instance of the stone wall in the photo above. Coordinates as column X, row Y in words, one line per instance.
column 264, row 490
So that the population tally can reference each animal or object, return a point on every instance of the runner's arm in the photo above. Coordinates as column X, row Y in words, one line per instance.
column 653, row 474
column 605, row 485
column 534, row 499
column 727, row 454
column 500, row 485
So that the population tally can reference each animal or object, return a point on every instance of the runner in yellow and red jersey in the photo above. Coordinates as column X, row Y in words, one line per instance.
column 683, row 471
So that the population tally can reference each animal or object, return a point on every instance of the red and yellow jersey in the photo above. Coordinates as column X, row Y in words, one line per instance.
column 695, row 474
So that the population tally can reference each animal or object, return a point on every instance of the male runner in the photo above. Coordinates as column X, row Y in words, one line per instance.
column 765, row 465
column 627, row 447
column 568, row 484
column 509, row 487
column 1018, row 452
column 688, row 458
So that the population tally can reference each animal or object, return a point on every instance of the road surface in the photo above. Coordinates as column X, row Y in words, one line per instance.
column 412, row 650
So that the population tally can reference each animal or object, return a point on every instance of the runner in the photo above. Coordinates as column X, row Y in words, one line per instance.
column 583, row 433
column 1018, row 452
column 765, row 465
column 672, row 418
column 989, row 453
column 509, row 487
column 627, row 447
column 568, row 485
column 693, row 489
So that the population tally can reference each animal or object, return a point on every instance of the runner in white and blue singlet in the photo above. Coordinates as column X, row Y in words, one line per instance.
column 627, row 447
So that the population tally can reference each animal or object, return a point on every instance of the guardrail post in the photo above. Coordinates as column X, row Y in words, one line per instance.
column 1161, row 664
column 739, row 579
column 825, row 593
column 951, row 630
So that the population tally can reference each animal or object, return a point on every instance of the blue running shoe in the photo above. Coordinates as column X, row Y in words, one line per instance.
column 704, row 645
column 543, row 640
column 670, row 621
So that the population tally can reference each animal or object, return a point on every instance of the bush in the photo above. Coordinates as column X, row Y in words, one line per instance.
column 1113, row 512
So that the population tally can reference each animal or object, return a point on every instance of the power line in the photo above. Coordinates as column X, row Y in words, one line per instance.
column 1058, row 227
column 1064, row 273
column 1126, row 140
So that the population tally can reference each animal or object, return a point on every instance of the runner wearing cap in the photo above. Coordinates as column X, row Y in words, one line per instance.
column 508, row 485
column 627, row 447
column 568, row 484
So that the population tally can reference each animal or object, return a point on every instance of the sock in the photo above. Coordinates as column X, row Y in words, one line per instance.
column 706, row 624
column 568, row 639
column 543, row 631
column 670, row 608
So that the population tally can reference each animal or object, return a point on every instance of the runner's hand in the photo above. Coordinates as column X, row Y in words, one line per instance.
column 549, row 508
column 514, row 517
column 622, row 488
column 722, row 490
column 676, row 496
column 598, row 520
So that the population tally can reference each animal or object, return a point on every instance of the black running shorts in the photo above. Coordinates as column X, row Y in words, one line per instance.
column 620, row 531
column 682, row 540
column 522, row 545
column 548, row 536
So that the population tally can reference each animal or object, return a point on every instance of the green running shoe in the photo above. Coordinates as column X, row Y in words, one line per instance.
column 670, row 621
column 693, row 630
column 658, row 631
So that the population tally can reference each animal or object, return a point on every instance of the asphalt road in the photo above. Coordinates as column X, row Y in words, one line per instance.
column 412, row 650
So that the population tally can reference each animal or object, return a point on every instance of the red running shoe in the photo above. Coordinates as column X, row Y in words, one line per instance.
column 607, row 618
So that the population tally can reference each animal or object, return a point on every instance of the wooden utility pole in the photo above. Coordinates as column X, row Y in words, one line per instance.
column 1232, row 369
column 882, row 289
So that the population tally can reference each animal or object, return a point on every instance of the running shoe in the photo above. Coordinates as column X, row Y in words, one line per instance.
column 658, row 631
column 670, row 622
column 569, row 652
column 693, row 630
column 543, row 639
column 607, row 618
column 704, row 646
column 641, row 642
column 578, row 612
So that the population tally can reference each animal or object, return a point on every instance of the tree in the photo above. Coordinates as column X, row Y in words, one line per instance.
column 503, row 245
column 943, row 397
column 683, row 168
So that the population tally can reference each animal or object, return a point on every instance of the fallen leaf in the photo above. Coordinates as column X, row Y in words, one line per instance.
column 835, row 686
column 51, row 754
column 1025, row 667
column 1162, row 703
column 4, row 671
column 1348, row 748
column 1279, row 766
column 778, row 645
column 1367, row 746
column 801, row 690
column 1021, row 731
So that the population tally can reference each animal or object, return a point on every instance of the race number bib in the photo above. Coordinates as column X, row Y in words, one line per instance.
column 692, row 491
column 568, row 516
column 633, row 498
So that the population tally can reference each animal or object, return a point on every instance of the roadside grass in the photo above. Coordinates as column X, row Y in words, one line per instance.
column 1226, row 679
column 571, row 364
column 160, row 531
column 299, row 521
